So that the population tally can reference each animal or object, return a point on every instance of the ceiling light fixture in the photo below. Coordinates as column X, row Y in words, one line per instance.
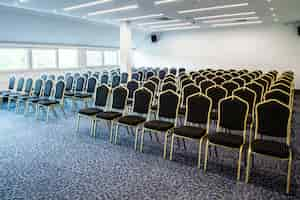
column 178, row 28
column 230, row 20
column 237, row 24
column 213, row 8
column 100, row 12
column 225, row 15
column 164, row 1
column 160, row 22
column 85, row 5
column 170, row 25
column 141, row 17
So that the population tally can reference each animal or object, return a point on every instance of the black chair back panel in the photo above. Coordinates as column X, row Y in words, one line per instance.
column 142, row 101
column 91, row 85
column 278, row 95
column 116, row 81
column 169, row 86
column 281, row 87
column 104, row 79
column 124, row 78
column 186, row 82
column 102, row 93
column 48, row 88
column 198, row 108
column 80, row 82
column 135, row 76
column 119, row 98
column 247, row 95
column 206, row 84
column 216, row 93
column 38, row 87
column 189, row 90
column 28, row 85
column 132, row 86
column 20, row 84
column 155, row 80
column 168, row 105
column 162, row 74
column 150, row 85
column 11, row 83
column 257, row 89
column 230, row 86
column 273, row 119
column 69, row 83
column 59, row 90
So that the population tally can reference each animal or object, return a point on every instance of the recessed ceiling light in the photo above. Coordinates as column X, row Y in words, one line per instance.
column 100, row 12
column 225, row 15
column 140, row 17
column 237, row 24
column 178, row 28
column 170, row 25
column 164, row 1
column 230, row 20
column 269, row 1
column 272, row 9
column 274, row 15
column 85, row 5
column 213, row 8
column 160, row 22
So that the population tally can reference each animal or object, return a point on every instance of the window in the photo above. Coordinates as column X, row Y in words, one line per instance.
column 43, row 58
column 111, row 57
column 68, row 58
column 94, row 58
column 13, row 58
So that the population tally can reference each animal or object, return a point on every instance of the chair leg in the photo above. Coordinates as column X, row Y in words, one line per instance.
column 288, row 184
column 8, row 104
column 165, row 145
column 92, row 128
column 142, row 140
column 47, row 116
column 26, row 108
column 77, row 123
column 95, row 128
column 199, row 153
column 17, row 107
column 37, row 110
column 206, row 155
column 116, row 132
column 136, row 138
column 249, row 163
column 63, row 110
column 172, row 147
column 239, row 162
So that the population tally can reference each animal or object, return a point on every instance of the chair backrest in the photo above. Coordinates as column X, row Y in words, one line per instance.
column 149, row 74
column 20, row 85
column 198, row 103
column 188, row 90
column 195, row 75
column 169, row 79
column 124, row 78
column 248, row 95
column 91, row 85
column 279, row 95
column 48, row 88
column 181, row 70
column 263, row 82
column 168, row 105
column 44, row 77
column 85, row 75
column 115, row 81
column 210, row 75
column 218, row 80
column 230, row 86
column 227, row 77
column 119, row 98
column 80, row 82
column 186, row 81
column 234, row 74
column 233, row 113
column 169, row 86
column 38, row 85
column 162, row 74
column 135, row 76
column 246, row 78
column 281, row 86
column 258, row 89
column 267, row 124
column 51, row 77
column 268, row 80
column 104, row 79
column 141, row 77
column 28, row 85
column 216, row 93
column 102, row 96
column 60, row 78
column 199, row 79
column 173, row 71
column 132, row 86
column 155, row 79
column 239, row 81
column 284, row 82
column 150, row 85
column 69, row 83
column 11, row 83
column 59, row 90
column 142, row 101
column 206, row 84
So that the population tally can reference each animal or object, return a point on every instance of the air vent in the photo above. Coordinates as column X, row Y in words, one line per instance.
column 164, row 18
column 242, row 20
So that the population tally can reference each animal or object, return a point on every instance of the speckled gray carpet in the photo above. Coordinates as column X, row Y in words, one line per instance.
column 50, row 161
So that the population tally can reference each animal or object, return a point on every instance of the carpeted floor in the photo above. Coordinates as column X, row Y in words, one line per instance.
column 40, row 160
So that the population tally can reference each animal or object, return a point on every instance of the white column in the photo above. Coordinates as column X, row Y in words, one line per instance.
column 125, row 47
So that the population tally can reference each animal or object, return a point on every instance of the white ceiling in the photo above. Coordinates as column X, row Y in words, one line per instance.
column 285, row 11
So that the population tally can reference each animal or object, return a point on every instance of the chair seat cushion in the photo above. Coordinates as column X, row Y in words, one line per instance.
column 190, row 131
column 270, row 148
column 108, row 115
column 132, row 120
column 69, row 93
column 90, row 111
column 48, row 102
column 159, row 125
column 225, row 139
column 83, row 95
column 37, row 99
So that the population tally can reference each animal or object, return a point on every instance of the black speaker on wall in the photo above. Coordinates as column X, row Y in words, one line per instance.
column 298, row 30
column 154, row 38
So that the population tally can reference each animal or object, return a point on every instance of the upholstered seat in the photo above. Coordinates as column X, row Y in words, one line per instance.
column 90, row 111
column 83, row 95
column 48, row 102
column 271, row 148
column 190, row 131
column 109, row 115
column 69, row 93
column 37, row 99
column 132, row 120
column 159, row 125
column 230, row 140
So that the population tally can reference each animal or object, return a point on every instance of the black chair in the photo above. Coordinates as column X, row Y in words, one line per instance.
column 279, row 95
column 117, row 109
column 149, row 74
column 46, row 94
column 239, row 81
column 51, row 77
column 88, row 93
column 169, row 86
column 26, row 92
column 51, row 103
column 246, row 78
column 216, row 93
column 210, row 75
column 227, row 77
column 132, row 86
column 115, row 81
column 11, row 85
column 185, row 82
column 135, row 76
column 218, row 80
column 199, row 79
column 258, row 89
column 79, row 88
column 124, row 78
column 156, row 80
column 60, row 78
column 151, row 86
column 278, row 127
column 69, row 83
column 230, row 86
column 101, row 102
column 181, row 70
column 192, row 130
column 169, row 79
column 38, row 85
column 206, row 84
column 140, row 113
column 168, row 105
column 187, row 91
column 262, row 82
column 104, row 79
column 162, row 74
column 233, row 112
column 281, row 86
column 18, row 90
column 173, row 71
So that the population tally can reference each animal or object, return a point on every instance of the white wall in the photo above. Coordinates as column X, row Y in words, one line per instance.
column 257, row 47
